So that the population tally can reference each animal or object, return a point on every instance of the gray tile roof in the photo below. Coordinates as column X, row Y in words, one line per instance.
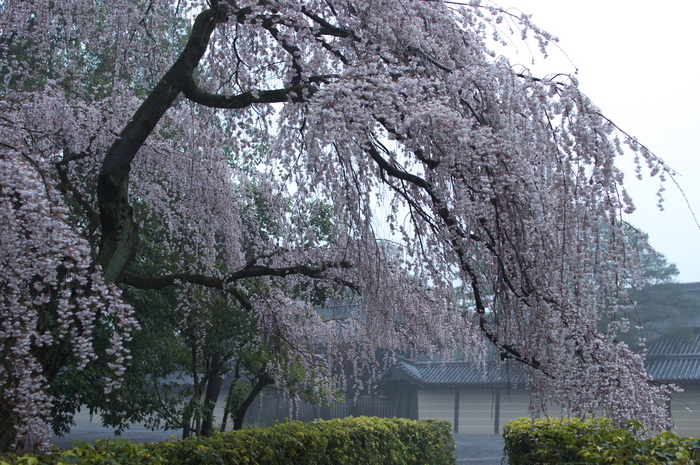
column 455, row 374
column 676, row 346
column 675, row 359
column 684, row 371
column 669, row 360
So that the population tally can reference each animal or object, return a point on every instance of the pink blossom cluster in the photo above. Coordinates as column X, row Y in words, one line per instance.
column 52, row 299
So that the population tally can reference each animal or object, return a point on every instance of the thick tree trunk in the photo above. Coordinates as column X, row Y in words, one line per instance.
column 211, row 395
column 119, row 240
column 186, row 417
column 119, row 232
column 263, row 380
column 227, row 408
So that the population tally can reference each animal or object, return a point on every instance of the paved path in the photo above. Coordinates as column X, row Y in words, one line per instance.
column 471, row 450
column 479, row 450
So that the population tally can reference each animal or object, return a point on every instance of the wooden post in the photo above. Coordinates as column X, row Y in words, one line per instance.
column 456, row 423
column 497, row 412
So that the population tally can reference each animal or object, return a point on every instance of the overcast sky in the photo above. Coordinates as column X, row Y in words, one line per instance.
column 639, row 61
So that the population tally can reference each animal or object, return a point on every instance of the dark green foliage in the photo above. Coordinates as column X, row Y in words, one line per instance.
column 347, row 441
column 658, row 307
column 665, row 310
column 579, row 441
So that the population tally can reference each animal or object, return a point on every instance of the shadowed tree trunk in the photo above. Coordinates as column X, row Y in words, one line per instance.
column 263, row 380
column 119, row 230
column 211, row 395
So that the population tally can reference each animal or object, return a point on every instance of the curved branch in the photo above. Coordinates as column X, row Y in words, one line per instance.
column 119, row 231
column 294, row 51
column 443, row 211
column 160, row 282
column 440, row 206
column 194, row 93
column 326, row 28
column 296, row 93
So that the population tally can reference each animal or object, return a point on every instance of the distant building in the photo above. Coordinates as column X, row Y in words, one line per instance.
column 481, row 401
column 677, row 361
column 475, row 400
column 692, row 288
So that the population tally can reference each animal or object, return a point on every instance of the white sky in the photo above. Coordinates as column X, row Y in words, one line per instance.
column 639, row 61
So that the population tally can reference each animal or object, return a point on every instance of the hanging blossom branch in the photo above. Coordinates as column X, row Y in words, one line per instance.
column 51, row 278
column 506, row 350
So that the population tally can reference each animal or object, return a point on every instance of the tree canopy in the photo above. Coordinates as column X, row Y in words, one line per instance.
column 660, row 307
column 153, row 117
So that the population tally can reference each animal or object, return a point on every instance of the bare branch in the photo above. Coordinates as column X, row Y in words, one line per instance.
column 256, row 271
column 295, row 93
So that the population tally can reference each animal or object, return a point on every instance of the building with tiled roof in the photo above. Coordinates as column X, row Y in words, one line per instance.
column 476, row 399
column 675, row 360
column 455, row 374
column 481, row 399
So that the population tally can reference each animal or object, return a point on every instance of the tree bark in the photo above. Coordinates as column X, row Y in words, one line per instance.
column 211, row 395
column 263, row 380
column 119, row 231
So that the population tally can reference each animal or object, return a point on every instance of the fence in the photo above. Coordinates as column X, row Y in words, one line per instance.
column 273, row 408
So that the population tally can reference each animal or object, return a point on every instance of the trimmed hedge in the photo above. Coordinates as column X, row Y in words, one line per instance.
column 596, row 440
column 347, row 441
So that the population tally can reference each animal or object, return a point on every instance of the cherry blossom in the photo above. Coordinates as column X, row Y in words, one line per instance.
column 52, row 296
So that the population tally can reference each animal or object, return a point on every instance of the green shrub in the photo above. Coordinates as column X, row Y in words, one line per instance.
column 100, row 452
column 348, row 441
column 549, row 440
column 596, row 440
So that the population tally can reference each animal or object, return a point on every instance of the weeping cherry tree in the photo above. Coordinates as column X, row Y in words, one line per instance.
column 501, row 188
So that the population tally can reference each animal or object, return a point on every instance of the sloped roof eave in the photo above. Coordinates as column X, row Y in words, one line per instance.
column 455, row 375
